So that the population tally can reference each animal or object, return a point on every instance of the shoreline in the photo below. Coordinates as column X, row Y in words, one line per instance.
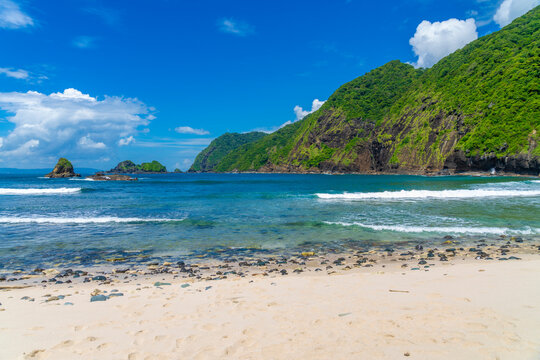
column 221, row 263
column 460, row 308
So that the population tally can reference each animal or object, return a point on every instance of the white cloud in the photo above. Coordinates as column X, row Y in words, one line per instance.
column 235, row 27
column 190, row 130
column 15, row 73
column 301, row 113
column 126, row 141
column 11, row 16
column 84, row 42
column 66, row 123
column 433, row 41
column 511, row 9
column 87, row 143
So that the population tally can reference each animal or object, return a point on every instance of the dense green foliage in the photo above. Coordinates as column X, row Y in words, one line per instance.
column 126, row 166
column 360, row 98
column 494, row 82
column 129, row 166
column 482, row 100
column 220, row 147
column 64, row 165
column 154, row 166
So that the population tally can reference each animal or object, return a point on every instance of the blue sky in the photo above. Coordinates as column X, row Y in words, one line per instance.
column 137, row 70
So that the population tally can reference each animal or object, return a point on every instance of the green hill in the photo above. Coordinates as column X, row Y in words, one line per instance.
column 220, row 147
column 476, row 109
column 129, row 167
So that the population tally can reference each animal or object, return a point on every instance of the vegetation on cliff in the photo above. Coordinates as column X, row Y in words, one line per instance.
column 129, row 167
column 477, row 108
column 220, row 147
column 62, row 169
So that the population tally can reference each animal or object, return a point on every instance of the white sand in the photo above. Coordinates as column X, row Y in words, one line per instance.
column 450, row 312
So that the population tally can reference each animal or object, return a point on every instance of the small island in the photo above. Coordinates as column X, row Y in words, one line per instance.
column 129, row 167
column 63, row 169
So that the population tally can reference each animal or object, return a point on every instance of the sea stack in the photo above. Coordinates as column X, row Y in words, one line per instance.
column 63, row 169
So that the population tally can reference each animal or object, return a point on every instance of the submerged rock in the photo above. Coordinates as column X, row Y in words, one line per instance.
column 63, row 169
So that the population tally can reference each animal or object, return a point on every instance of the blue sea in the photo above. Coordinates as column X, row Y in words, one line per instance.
column 63, row 222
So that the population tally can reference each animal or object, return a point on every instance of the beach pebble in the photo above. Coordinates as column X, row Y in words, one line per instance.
column 98, row 298
column 184, row 286
column 99, row 278
column 116, row 294
column 158, row 283
column 68, row 303
column 283, row 272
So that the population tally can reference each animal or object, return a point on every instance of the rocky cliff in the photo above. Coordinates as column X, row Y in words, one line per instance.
column 476, row 109
column 63, row 169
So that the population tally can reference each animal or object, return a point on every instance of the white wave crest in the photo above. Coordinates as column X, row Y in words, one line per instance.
column 430, row 194
column 81, row 179
column 37, row 191
column 80, row 220
column 443, row 229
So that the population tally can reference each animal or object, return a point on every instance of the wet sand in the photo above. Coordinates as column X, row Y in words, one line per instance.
column 370, row 305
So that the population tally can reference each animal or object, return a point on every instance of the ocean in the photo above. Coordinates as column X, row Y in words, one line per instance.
column 76, row 222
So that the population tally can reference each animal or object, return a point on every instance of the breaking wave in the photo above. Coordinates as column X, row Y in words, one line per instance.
column 37, row 191
column 81, row 220
column 430, row 194
column 443, row 229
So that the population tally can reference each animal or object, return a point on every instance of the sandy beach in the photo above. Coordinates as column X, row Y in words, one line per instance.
column 460, row 309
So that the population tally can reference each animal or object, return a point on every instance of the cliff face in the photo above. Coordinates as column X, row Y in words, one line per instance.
column 63, row 169
column 477, row 109
column 220, row 147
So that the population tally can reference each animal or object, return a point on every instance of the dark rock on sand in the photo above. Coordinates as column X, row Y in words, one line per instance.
column 99, row 298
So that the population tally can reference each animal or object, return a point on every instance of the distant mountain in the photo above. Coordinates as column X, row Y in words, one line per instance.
column 476, row 109
column 129, row 167
column 220, row 147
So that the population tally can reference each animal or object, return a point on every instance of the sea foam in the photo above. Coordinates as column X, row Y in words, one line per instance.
column 37, row 191
column 430, row 194
column 80, row 220
column 443, row 229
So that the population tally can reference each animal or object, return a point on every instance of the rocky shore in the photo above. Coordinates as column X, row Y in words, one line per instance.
column 448, row 302
column 220, row 264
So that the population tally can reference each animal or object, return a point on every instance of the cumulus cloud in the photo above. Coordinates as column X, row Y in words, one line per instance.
column 301, row 113
column 511, row 9
column 433, row 41
column 126, row 141
column 12, row 17
column 68, row 123
column 235, row 27
column 190, row 130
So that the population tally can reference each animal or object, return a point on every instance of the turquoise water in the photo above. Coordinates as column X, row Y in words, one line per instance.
column 61, row 221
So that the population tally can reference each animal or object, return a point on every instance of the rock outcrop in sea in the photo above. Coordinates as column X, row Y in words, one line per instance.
column 63, row 169
column 111, row 177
